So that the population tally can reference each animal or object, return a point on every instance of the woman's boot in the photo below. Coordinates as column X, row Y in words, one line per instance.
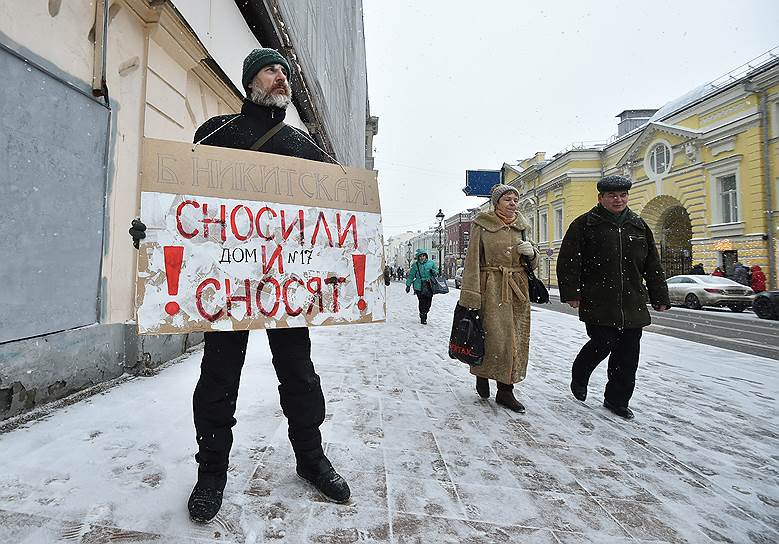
column 483, row 387
column 505, row 397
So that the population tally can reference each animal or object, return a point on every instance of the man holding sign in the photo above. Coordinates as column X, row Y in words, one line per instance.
column 259, row 127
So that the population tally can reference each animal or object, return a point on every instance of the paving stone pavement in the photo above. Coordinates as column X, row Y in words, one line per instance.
column 426, row 458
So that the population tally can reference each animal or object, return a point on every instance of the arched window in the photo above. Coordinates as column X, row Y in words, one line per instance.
column 659, row 159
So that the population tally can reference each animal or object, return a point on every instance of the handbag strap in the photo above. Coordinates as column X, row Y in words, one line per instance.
column 262, row 140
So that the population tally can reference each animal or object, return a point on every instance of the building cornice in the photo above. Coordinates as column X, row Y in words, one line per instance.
column 731, row 128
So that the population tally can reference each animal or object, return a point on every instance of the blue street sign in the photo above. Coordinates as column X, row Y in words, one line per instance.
column 479, row 182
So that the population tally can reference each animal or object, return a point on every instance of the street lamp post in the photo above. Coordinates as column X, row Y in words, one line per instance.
column 408, row 255
column 440, row 216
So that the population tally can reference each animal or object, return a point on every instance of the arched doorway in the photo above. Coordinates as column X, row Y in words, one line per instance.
column 671, row 225
column 675, row 246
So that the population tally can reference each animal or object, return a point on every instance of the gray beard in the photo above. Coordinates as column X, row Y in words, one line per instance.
column 272, row 100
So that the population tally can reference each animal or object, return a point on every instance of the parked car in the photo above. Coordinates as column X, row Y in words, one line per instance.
column 458, row 278
column 694, row 292
column 766, row 305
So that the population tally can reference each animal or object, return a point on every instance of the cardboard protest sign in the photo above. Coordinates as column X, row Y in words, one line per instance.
column 241, row 240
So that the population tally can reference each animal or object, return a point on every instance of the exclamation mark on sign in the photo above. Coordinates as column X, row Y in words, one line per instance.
column 174, row 256
column 359, row 276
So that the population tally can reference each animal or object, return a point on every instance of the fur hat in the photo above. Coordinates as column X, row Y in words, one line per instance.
column 259, row 59
column 614, row 183
column 499, row 190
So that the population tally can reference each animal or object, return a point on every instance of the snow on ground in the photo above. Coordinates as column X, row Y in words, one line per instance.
column 427, row 459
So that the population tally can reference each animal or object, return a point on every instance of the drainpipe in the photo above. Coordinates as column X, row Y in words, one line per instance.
column 769, row 199
column 99, row 87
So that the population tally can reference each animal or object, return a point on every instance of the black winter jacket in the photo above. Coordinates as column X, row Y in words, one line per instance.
column 251, row 125
column 604, row 266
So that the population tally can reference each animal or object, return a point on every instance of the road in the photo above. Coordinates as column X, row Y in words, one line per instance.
column 744, row 332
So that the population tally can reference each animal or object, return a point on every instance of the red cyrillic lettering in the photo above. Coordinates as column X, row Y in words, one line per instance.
column 334, row 281
column 314, row 286
column 257, row 221
column 179, row 226
column 322, row 221
column 234, row 226
column 222, row 220
column 342, row 234
column 246, row 298
column 199, row 299
column 268, row 264
column 284, row 295
column 260, row 287
column 286, row 231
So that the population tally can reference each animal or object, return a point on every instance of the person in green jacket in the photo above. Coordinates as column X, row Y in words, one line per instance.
column 606, row 256
column 419, row 275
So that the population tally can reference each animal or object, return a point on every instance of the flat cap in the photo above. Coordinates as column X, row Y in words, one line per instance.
column 614, row 183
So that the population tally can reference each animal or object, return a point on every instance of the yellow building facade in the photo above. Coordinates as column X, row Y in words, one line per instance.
column 705, row 171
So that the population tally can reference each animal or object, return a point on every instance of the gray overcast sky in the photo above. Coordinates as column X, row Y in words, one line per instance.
column 467, row 85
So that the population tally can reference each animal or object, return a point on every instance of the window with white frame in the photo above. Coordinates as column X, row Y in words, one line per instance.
column 659, row 159
column 728, row 198
column 558, row 224
column 542, row 228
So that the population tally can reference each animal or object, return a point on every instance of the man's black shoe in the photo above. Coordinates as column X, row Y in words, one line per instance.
column 329, row 483
column 579, row 391
column 621, row 411
column 204, row 503
column 483, row 387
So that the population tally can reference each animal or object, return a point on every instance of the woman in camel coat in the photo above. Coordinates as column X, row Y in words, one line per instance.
column 495, row 283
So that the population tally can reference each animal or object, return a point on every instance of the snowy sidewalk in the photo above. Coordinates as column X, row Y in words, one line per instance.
column 427, row 459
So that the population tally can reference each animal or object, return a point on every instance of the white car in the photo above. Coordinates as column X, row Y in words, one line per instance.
column 695, row 291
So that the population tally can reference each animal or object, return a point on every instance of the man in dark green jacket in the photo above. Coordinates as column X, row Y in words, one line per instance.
column 606, row 256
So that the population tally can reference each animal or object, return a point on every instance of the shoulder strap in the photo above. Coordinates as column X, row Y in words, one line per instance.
column 267, row 136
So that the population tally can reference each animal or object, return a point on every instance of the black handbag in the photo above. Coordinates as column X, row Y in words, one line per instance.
column 438, row 285
column 536, row 290
column 466, row 342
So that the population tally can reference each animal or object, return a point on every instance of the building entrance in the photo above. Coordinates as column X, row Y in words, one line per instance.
column 675, row 245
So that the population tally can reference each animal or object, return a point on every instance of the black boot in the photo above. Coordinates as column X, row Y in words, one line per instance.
column 206, row 499
column 483, row 387
column 324, row 477
column 579, row 391
column 505, row 397
column 621, row 411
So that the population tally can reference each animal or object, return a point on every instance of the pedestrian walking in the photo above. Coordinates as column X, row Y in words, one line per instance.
column 718, row 272
column 419, row 276
column 741, row 274
column 495, row 282
column 606, row 256
column 260, row 126
column 698, row 270
column 757, row 279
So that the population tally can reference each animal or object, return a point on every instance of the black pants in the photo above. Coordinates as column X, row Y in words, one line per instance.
column 622, row 347
column 216, row 393
column 424, row 302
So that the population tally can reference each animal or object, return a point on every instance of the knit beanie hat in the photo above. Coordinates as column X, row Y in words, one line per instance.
column 259, row 59
column 499, row 190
